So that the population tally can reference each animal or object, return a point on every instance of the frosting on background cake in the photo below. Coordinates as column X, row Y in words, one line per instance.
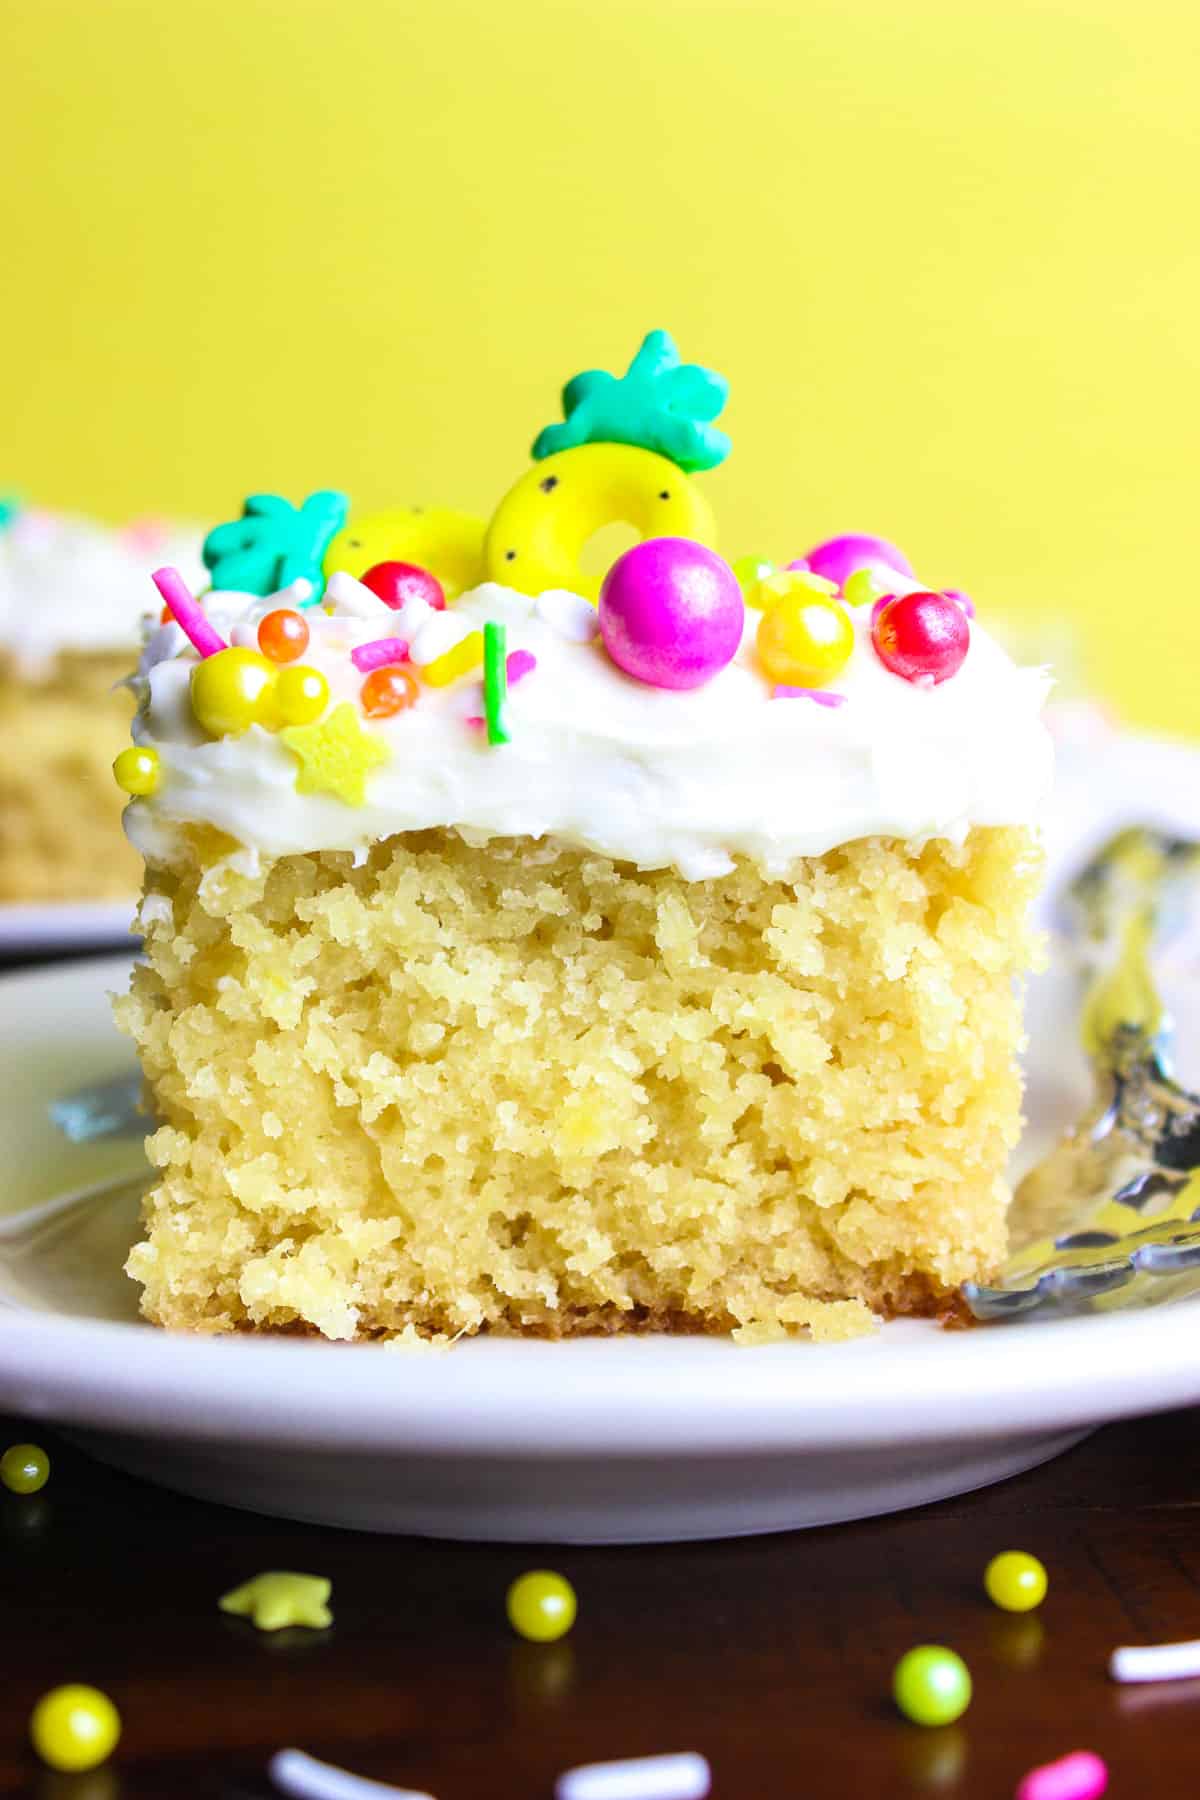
column 73, row 597
column 69, row 584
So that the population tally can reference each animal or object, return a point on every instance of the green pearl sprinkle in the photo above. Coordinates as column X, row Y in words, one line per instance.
column 495, row 683
column 24, row 1468
column 931, row 1685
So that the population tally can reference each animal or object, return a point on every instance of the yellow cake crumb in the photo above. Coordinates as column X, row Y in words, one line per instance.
column 522, row 1088
column 60, row 809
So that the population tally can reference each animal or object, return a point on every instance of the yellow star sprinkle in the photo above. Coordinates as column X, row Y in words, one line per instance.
column 278, row 1599
column 336, row 755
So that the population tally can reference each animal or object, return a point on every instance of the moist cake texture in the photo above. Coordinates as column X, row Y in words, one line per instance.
column 532, row 966
column 528, row 1088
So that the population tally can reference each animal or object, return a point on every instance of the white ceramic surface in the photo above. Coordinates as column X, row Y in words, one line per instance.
column 615, row 1440
column 33, row 930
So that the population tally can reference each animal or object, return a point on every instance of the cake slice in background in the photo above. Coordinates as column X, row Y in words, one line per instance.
column 72, row 596
column 530, row 966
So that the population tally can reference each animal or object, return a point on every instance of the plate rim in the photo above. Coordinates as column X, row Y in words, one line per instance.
column 910, row 1383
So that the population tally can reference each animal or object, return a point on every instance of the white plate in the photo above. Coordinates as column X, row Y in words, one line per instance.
column 35, row 929
column 612, row 1440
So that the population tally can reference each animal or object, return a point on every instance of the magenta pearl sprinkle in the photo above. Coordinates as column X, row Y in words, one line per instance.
column 837, row 558
column 671, row 613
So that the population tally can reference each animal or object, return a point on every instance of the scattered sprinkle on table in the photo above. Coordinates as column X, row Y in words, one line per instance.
column 1015, row 1581
column 1155, row 1662
column 302, row 1776
column 932, row 1685
column 24, row 1468
column 1079, row 1776
column 280, row 1598
column 74, row 1728
column 681, row 1777
column 541, row 1606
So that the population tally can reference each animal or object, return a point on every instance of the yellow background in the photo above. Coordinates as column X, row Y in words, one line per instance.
column 947, row 251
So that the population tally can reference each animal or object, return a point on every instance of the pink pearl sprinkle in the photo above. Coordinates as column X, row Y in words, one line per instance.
column 521, row 662
column 781, row 692
column 188, row 613
column 378, row 654
column 1079, row 1776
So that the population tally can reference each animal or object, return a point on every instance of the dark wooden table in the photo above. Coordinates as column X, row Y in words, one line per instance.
column 771, row 1655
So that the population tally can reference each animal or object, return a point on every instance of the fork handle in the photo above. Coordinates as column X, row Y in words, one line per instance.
column 1120, row 906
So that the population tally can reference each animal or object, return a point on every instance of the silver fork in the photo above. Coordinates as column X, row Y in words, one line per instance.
column 1111, row 1216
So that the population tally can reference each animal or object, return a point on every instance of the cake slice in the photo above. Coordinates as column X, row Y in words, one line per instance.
column 533, row 966
column 72, row 593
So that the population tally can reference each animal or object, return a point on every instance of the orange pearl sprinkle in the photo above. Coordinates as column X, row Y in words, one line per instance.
column 283, row 635
column 388, row 690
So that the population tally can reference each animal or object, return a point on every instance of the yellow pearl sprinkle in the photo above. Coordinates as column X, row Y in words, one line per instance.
column 465, row 656
column 137, row 770
column 232, row 690
column 75, row 1728
column 301, row 695
column 785, row 582
column 541, row 1606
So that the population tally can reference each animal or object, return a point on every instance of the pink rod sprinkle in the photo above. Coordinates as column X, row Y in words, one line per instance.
column 520, row 662
column 475, row 719
column 379, row 653
column 1079, row 1776
column 188, row 613
column 964, row 600
column 780, row 692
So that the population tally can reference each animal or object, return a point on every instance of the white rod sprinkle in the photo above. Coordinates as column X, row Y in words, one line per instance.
column 304, row 1778
column 1155, row 1662
column 683, row 1777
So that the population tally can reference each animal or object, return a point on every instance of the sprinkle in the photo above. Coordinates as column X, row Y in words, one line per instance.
column 355, row 598
column 415, row 613
column 378, row 653
column 24, row 1468
column 273, row 542
column 1155, row 1662
column 137, row 770
column 436, row 633
column 964, row 600
column 303, row 1777
column 1079, row 1776
column 569, row 614
column 781, row 692
column 336, row 755
column 520, row 664
column 495, row 682
column 660, row 404
column 466, row 655
column 188, row 613
column 278, row 1599
column 683, row 1777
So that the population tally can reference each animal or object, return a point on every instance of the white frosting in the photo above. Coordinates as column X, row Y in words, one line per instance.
column 598, row 760
column 68, row 583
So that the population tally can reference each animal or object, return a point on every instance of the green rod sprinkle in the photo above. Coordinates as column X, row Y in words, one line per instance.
column 495, row 682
